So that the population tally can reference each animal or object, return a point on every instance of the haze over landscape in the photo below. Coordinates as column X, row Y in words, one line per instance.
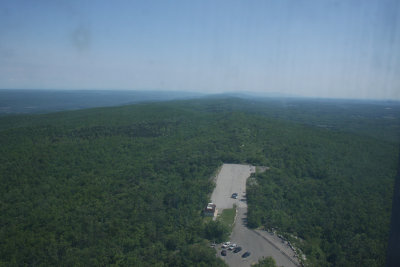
column 200, row 133
column 312, row 48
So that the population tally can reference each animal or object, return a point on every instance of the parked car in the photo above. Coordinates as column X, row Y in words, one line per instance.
column 226, row 244
column 246, row 254
column 234, row 195
column 223, row 252
column 237, row 249
column 232, row 246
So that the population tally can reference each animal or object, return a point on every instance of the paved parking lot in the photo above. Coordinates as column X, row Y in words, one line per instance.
column 232, row 179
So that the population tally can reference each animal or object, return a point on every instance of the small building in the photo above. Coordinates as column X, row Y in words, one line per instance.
column 210, row 210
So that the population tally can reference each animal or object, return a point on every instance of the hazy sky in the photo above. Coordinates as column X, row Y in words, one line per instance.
column 325, row 48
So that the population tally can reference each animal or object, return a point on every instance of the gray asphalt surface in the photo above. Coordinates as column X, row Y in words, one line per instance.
column 232, row 179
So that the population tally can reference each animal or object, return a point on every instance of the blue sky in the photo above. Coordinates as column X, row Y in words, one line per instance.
column 317, row 48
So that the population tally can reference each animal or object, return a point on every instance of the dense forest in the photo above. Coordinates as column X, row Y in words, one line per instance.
column 125, row 186
column 331, row 190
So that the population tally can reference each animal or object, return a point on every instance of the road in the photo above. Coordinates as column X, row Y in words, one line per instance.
column 232, row 179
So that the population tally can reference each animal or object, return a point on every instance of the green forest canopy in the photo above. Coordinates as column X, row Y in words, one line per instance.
column 126, row 185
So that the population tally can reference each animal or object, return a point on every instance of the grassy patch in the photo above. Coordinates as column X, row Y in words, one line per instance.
column 227, row 217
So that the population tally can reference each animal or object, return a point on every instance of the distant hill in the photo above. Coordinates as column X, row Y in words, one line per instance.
column 44, row 101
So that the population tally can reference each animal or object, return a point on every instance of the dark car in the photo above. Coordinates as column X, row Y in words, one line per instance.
column 223, row 253
column 246, row 254
column 237, row 249
column 234, row 195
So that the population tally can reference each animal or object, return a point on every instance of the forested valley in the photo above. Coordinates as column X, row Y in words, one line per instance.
column 125, row 186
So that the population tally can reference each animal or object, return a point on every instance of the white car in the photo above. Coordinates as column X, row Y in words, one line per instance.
column 231, row 247
column 226, row 244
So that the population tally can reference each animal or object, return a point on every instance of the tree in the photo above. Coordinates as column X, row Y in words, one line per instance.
column 216, row 231
column 266, row 262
